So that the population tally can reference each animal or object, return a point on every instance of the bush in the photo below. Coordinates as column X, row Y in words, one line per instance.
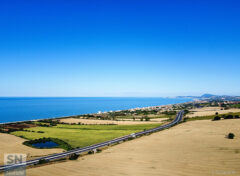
column 147, row 119
column 90, row 152
column 42, row 161
column 73, row 156
column 228, row 117
column 186, row 111
column 217, row 118
column 236, row 117
column 230, row 136
column 99, row 150
column 173, row 112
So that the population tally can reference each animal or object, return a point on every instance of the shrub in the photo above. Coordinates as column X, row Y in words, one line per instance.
column 236, row 117
column 228, row 117
column 186, row 111
column 90, row 152
column 42, row 161
column 73, row 156
column 99, row 150
column 217, row 118
column 173, row 112
column 147, row 119
column 230, row 136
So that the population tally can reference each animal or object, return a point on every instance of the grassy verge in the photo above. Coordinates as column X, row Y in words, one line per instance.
column 82, row 135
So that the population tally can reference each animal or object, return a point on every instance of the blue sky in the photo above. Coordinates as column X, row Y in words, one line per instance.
column 119, row 47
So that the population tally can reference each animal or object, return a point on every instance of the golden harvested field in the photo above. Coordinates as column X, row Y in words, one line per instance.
column 124, row 122
column 195, row 148
column 208, row 111
column 13, row 144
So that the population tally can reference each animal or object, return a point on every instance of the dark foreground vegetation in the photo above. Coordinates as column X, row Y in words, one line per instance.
column 230, row 136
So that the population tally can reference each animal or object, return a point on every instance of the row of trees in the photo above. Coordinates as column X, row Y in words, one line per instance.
column 217, row 117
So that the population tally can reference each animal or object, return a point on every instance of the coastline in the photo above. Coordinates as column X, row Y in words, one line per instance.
column 99, row 112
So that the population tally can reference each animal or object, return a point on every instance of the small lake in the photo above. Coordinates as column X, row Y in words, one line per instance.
column 48, row 144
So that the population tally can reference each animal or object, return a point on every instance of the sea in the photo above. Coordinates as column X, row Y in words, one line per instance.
column 14, row 109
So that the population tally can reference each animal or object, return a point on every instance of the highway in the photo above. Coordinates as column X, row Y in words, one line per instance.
column 95, row 146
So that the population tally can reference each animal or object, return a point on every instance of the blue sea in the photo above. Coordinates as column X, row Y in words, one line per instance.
column 20, row 109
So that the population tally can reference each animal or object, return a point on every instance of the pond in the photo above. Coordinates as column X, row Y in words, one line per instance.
column 47, row 144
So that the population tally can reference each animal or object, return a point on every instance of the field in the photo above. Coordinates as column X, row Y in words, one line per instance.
column 83, row 135
column 119, row 122
column 209, row 111
column 13, row 144
column 211, row 117
column 194, row 148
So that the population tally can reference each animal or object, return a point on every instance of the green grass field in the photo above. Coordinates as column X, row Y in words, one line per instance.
column 235, row 106
column 83, row 135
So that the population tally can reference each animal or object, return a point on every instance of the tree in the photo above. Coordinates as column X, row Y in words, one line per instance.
column 186, row 111
column 228, row 117
column 42, row 161
column 73, row 156
column 230, row 136
column 91, row 152
column 146, row 118
column 217, row 118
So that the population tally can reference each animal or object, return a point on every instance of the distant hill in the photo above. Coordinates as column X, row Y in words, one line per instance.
column 213, row 97
column 208, row 96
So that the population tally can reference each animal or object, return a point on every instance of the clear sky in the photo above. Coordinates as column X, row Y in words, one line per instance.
column 119, row 47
